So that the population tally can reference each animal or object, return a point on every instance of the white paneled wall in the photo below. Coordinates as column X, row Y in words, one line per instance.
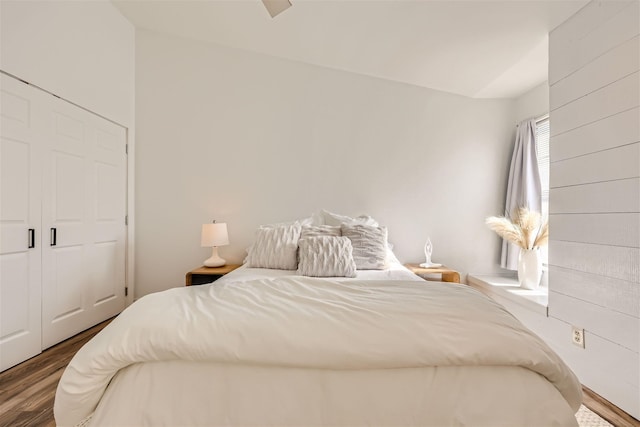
column 594, row 253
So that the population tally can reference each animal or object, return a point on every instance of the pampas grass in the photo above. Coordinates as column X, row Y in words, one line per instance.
column 525, row 228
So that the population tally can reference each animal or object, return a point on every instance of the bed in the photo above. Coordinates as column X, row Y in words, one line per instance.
column 271, row 347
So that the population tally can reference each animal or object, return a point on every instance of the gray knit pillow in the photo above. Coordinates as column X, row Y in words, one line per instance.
column 369, row 245
column 326, row 256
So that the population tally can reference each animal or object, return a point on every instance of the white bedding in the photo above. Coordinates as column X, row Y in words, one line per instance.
column 289, row 350
column 396, row 271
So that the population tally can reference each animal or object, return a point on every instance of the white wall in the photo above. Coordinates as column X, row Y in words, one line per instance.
column 594, row 252
column 82, row 51
column 534, row 103
column 251, row 139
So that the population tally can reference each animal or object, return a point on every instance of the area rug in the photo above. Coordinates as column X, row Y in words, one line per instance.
column 588, row 418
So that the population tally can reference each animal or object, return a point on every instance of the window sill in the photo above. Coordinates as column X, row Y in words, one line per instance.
column 508, row 288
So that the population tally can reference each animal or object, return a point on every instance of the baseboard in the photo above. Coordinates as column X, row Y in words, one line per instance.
column 607, row 410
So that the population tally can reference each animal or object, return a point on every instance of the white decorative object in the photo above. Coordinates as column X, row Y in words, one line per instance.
column 529, row 268
column 214, row 235
column 428, row 250
column 529, row 231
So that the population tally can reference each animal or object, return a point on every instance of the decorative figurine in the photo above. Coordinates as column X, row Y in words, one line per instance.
column 428, row 250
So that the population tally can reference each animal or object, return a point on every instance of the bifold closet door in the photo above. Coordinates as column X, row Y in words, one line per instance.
column 83, row 218
column 21, row 136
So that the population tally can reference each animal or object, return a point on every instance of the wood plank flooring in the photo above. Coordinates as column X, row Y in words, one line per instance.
column 28, row 389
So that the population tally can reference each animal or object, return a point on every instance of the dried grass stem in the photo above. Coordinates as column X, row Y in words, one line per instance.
column 525, row 228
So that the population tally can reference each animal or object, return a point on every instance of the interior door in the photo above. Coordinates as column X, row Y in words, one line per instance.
column 84, row 196
column 20, row 221
column 108, row 236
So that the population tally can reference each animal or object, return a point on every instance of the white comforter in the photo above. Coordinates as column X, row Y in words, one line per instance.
column 309, row 323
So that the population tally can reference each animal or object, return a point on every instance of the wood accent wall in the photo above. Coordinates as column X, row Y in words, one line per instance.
column 594, row 252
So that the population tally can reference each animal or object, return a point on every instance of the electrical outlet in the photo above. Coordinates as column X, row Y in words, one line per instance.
column 577, row 336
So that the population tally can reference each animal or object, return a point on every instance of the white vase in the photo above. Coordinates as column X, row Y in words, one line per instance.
column 529, row 268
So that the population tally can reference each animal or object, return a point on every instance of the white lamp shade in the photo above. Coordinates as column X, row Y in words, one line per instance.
column 214, row 235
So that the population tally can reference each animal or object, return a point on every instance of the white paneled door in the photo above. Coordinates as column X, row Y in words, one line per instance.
column 83, row 219
column 20, row 216
column 62, row 220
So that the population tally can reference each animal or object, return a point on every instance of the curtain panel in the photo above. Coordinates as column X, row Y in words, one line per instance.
column 524, row 188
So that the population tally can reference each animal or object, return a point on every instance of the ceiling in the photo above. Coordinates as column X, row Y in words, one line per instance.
column 475, row 48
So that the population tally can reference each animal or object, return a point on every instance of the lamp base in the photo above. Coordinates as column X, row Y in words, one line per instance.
column 214, row 260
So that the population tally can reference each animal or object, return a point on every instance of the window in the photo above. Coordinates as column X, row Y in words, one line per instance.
column 542, row 150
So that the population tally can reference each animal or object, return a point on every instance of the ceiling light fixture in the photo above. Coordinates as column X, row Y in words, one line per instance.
column 276, row 6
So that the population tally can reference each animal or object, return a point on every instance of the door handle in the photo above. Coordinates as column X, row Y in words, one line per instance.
column 54, row 236
column 32, row 238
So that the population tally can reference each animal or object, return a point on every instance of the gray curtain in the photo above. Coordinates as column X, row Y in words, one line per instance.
column 524, row 187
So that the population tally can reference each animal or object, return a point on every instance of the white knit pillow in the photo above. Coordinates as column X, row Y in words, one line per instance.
column 320, row 230
column 369, row 245
column 275, row 247
column 326, row 256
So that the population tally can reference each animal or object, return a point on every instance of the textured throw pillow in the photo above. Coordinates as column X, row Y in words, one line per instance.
column 275, row 247
column 320, row 230
column 369, row 245
column 326, row 256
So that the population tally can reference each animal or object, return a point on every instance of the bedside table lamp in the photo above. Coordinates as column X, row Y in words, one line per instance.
column 214, row 235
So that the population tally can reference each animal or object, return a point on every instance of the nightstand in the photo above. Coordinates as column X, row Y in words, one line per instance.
column 448, row 275
column 203, row 275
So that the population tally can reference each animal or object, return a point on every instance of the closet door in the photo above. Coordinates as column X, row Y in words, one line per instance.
column 84, row 196
column 20, row 217
column 108, row 231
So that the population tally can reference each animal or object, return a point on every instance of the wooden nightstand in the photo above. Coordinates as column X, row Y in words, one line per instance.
column 203, row 275
column 448, row 275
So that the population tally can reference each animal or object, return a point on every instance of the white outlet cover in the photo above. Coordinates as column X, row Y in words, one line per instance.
column 577, row 336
